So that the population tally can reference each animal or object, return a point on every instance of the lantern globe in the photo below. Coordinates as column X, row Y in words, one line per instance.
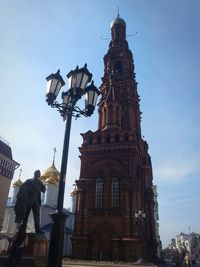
column 79, row 78
column 91, row 94
column 66, row 97
column 54, row 84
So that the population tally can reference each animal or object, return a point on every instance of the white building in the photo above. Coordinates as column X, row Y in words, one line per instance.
column 185, row 241
column 7, row 168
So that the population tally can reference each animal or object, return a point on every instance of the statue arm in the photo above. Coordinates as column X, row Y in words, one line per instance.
column 42, row 186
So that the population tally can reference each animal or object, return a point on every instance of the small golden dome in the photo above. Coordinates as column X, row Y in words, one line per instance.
column 18, row 183
column 73, row 192
column 51, row 180
column 51, row 173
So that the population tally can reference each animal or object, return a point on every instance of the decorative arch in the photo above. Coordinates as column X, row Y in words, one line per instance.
column 118, row 67
column 107, row 168
column 101, row 241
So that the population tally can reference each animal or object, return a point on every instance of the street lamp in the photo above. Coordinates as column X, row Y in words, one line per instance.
column 78, row 80
column 140, row 217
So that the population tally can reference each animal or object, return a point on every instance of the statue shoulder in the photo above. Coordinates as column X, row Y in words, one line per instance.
column 28, row 182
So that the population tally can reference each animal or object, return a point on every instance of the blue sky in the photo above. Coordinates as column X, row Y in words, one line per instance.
column 38, row 37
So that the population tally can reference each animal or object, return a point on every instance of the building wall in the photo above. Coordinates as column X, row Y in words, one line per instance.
column 7, row 168
column 4, row 190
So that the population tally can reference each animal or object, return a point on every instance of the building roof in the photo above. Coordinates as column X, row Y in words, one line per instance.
column 5, row 149
column 116, row 21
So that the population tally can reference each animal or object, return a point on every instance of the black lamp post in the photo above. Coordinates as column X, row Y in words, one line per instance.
column 78, row 80
column 140, row 217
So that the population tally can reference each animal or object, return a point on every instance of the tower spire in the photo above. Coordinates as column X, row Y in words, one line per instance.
column 54, row 154
column 118, row 12
column 20, row 173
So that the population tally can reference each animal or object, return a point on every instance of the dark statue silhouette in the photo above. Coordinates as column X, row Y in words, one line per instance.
column 28, row 198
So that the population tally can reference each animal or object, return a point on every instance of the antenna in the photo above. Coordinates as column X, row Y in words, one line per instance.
column 109, row 38
column 118, row 12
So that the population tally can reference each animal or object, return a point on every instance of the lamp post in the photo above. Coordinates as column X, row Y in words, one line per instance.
column 78, row 80
column 140, row 217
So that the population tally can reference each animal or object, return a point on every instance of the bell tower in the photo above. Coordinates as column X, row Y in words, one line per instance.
column 115, row 183
column 119, row 105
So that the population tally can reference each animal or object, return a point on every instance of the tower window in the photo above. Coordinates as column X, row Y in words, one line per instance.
column 118, row 67
column 99, row 194
column 117, row 138
column 90, row 140
column 115, row 193
column 99, row 139
column 108, row 138
column 126, row 137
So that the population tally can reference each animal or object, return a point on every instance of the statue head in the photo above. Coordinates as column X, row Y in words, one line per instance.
column 37, row 174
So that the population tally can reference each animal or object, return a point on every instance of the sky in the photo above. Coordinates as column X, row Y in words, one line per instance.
column 39, row 37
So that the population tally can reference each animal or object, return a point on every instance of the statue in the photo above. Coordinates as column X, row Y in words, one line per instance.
column 29, row 198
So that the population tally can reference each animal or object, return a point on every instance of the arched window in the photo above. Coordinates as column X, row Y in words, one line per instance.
column 99, row 139
column 99, row 194
column 108, row 138
column 115, row 193
column 117, row 138
column 118, row 67
column 90, row 140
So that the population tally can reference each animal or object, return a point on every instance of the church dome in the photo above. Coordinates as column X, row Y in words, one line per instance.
column 116, row 21
column 18, row 183
column 51, row 180
column 73, row 192
column 51, row 173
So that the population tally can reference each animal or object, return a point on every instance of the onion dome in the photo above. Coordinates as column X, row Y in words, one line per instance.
column 18, row 183
column 116, row 21
column 51, row 180
column 73, row 192
column 51, row 175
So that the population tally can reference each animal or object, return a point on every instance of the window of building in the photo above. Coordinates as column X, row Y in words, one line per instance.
column 99, row 194
column 117, row 138
column 115, row 193
column 99, row 139
column 118, row 67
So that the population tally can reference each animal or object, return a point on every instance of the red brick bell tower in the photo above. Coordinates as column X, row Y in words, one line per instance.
column 116, row 173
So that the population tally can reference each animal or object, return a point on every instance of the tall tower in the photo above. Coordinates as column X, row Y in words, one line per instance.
column 115, row 183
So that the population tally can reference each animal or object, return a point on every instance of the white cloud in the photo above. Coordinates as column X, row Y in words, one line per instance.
column 177, row 170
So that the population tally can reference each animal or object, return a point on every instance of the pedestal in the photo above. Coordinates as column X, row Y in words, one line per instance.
column 34, row 253
column 36, row 250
